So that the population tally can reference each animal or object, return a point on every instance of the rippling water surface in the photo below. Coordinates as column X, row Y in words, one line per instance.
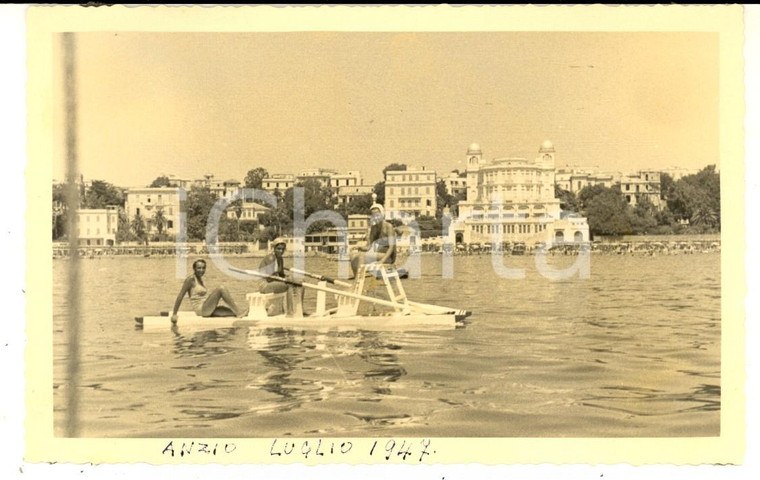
column 632, row 351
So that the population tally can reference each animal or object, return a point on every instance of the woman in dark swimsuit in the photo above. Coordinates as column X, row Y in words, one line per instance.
column 381, row 241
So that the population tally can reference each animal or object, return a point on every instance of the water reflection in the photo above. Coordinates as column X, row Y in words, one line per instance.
column 644, row 402
column 305, row 366
column 203, row 343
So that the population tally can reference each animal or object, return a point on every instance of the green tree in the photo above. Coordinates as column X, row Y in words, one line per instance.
column 123, row 229
column 591, row 191
column 102, row 194
column 237, row 207
column 643, row 216
column 159, row 221
column 443, row 198
column 229, row 229
column 138, row 228
column 666, row 185
column 567, row 199
column 317, row 197
column 199, row 202
column 255, row 177
column 357, row 205
column 704, row 215
column 379, row 191
column 394, row 167
column 607, row 211
column 161, row 181
column 697, row 197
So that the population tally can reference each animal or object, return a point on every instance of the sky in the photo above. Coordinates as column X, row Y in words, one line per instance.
column 223, row 103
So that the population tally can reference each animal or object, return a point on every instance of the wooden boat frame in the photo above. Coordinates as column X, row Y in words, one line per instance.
column 284, row 310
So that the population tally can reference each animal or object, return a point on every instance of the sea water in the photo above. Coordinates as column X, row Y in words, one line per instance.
column 631, row 351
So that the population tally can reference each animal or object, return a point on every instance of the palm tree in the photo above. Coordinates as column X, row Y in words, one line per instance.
column 704, row 215
column 159, row 221
column 138, row 227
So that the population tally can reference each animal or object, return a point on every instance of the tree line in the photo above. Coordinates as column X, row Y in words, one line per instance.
column 689, row 205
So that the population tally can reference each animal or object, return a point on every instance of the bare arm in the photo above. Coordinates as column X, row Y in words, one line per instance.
column 390, row 233
column 366, row 246
column 186, row 286
column 268, row 266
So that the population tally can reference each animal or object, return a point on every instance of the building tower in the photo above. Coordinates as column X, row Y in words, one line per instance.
column 474, row 159
column 546, row 160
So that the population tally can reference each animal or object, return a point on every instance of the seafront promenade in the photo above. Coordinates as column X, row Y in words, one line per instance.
column 650, row 245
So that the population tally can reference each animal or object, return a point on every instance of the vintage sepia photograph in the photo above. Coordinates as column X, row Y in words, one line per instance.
column 325, row 240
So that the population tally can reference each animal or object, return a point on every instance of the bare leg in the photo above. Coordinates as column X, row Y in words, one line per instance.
column 211, row 303
column 356, row 261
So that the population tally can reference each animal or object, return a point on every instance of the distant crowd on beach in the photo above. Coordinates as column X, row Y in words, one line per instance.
column 628, row 247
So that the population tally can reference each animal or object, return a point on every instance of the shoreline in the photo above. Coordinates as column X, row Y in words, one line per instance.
column 627, row 247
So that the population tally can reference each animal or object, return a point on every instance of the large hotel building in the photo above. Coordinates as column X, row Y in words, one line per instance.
column 410, row 193
column 512, row 199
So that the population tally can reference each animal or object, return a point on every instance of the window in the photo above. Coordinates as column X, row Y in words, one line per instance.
column 391, row 205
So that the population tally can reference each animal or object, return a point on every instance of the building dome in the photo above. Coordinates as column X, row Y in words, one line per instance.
column 474, row 149
column 546, row 147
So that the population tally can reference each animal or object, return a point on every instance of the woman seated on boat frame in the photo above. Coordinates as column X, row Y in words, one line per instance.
column 205, row 304
column 381, row 241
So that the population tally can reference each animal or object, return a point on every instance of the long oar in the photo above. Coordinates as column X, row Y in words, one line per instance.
column 365, row 298
column 323, row 278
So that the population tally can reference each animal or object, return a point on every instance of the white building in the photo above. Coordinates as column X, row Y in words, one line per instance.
column 278, row 182
column 410, row 193
column 322, row 175
column 98, row 226
column 147, row 201
column 512, row 199
column 250, row 211
column 676, row 173
column 575, row 179
column 347, row 194
column 349, row 179
column 358, row 228
column 644, row 183
column 456, row 183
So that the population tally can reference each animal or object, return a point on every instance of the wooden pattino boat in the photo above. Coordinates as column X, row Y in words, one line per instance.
column 284, row 310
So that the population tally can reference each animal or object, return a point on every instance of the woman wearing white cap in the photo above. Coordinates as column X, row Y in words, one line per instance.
column 381, row 241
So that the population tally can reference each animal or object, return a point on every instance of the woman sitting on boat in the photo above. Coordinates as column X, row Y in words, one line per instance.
column 381, row 241
column 205, row 304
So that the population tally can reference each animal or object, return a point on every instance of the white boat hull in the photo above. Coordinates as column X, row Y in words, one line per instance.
column 393, row 321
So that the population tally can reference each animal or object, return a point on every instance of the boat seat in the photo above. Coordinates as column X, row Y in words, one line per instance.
column 258, row 303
